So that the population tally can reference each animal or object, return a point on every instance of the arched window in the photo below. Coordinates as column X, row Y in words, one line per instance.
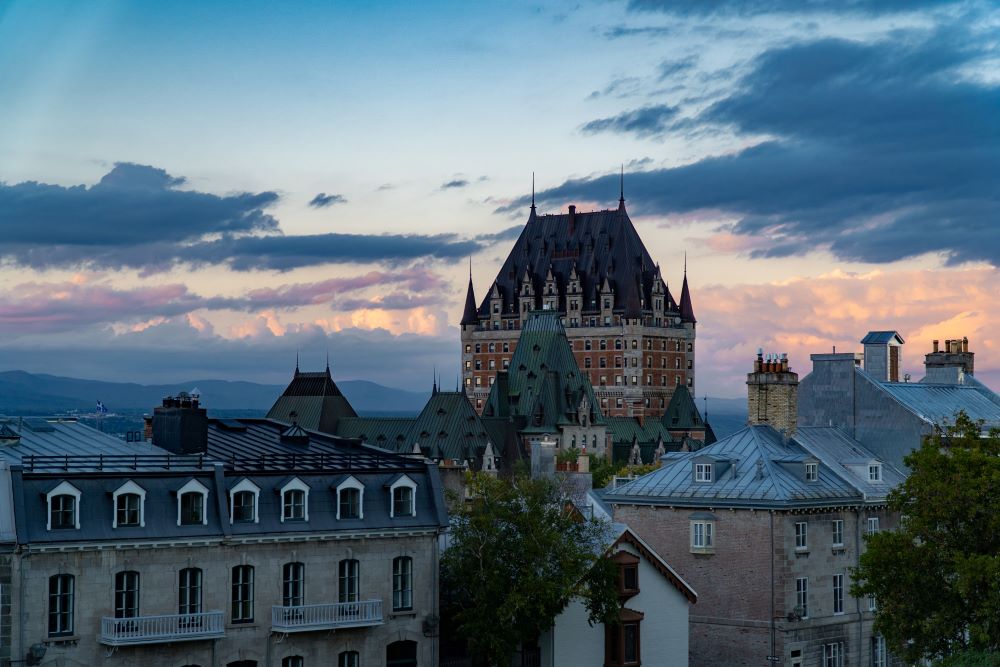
column 192, row 499
column 127, row 594
column 61, row 598
column 350, row 499
column 401, row 654
column 403, row 492
column 243, row 502
column 402, row 583
column 292, row 661
column 130, row 506
column 64, row 507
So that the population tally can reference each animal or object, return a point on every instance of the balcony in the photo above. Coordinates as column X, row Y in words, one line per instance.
column 161, row 629
column 329, row 616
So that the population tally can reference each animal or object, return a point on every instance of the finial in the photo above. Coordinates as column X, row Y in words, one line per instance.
column 434, row 385
column 532, row 191
column 685, row 263
column 296, row 361
column 621, row 195
column 470, row 268
column 328, row 362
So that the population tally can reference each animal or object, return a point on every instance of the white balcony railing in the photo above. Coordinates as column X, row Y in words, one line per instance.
column 326, row 616
column 161, row 629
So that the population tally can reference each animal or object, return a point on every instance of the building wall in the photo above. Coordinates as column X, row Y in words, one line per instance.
column 5, row 606
column 158, row 567
column 732, row 622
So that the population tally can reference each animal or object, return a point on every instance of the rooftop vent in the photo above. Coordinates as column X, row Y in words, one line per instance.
column 8, row 436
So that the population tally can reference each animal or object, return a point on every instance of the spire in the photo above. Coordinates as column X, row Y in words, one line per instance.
column 687, row 310
column 328, row 362
column 621, row 191
column 434, row 386
column 471, row 314
column 296, row 361
column 532, row 193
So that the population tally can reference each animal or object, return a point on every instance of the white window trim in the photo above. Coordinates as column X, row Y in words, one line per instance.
column 875, row 468
column 245, row 485
column 700, row 469
column 804, row 533
column 835, row 544
column 873, row 525
column 352, row 483
column 63, row 489
column 130, row 487
column 194, row 486
column 708, row 536
column 402, row 481
column 296, row 484
column 813, row 468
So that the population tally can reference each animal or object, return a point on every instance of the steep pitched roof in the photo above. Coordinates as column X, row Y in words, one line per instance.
column 469, row 315
column 316, row 400
column 543, row 383
column 449, row 428
column 687, row 310
column 681, row 412
column 598, row 246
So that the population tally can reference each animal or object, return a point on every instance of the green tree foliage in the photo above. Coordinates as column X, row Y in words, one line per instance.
column 602, row 470
column 518, row 555
column 936, row 579
column 970, row 659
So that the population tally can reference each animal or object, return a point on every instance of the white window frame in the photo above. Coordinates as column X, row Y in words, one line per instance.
column 702, row 536
column 801, row 536
column 873, row 525
column 703, row 472
column 880, row 658
column 833, row 654
column 837, row 528
column 872, row 605
column 295, row 484
column 874, row 472
column 802, row 595
column 838, row 594
column 129, row 487
column 194, row 486
column 403, row 481
column 245, row 485
column 812, row 472
column 63, row 489
column 352, row 483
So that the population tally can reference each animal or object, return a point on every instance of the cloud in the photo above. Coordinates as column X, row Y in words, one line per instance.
column 755, row 7
column 644, row 122
column 877, row 151
column 617, row 32
column 508, row 234
column 322, row 200
column 136, row 217
column 621, row 87
column 806, row 316
column 671, row 68
column 454, row 184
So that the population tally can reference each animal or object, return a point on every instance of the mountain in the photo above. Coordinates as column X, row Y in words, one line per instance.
column 29, row 393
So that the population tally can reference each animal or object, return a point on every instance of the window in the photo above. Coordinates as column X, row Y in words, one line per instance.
column 468, row 348
column 127, row 594
column 478, row 348
column 802, row 597
column 292, row 661
column 703, row 472
column 872, row 605
column 293, row 585
column 838, row 594
column 801, row 536
column 833, row 655
column 402, row 583
column 350, row 494
column 838, row 533
column 621, row 644
column 191, row 501
column 348, row 659
column 603, row 344
column 63, row 502
column 295, row 501
column 130, row 501
column 587, row 344
column 872, row 525
column 879, row 655
column 618, row 343
column 403, row 491
column 243, row 502
column 242, row 598
column 796, row 656
column 875, row 472
column 61, row 587
column 812, row 472
column 189, row 591
column 348, row 576
column 702, row 535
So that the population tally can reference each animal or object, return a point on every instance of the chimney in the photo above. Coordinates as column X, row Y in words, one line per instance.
column 180, row 425
column 949, row 366
column 882, row 355
column 772, row 393
column 935, row 346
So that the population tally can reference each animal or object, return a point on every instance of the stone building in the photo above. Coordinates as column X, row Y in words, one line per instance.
column 630, row 338
column 228, row 543
column 766, row 526
column 862, row 394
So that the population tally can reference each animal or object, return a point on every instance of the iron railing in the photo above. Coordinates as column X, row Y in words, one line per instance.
column 308, row 617
column 161, row 629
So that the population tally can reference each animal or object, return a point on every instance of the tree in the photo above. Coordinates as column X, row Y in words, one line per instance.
column 936, row 579
column 517, row 555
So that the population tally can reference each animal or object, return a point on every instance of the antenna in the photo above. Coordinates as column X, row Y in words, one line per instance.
column 532, row 191
column 685, row 262
column 296, row 361
column 621, row 191
column 328, row 362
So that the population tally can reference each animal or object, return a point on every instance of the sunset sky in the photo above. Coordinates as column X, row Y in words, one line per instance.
column 199, row 190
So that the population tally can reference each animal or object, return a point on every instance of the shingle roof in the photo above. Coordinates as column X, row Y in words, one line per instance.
column 755, row 467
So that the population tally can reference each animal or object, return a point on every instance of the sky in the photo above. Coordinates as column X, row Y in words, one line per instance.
column 205, row 190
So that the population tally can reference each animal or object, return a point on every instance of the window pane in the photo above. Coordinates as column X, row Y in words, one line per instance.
column 402, row 583
column 348, row 590
column 192, row 508
column 189, row 595
column 61, row 590
column 630, row 642
column 293, row 585
column 126, row 594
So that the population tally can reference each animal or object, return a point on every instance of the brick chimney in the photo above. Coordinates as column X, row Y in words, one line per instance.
column 180, row 425
column 947, row 366
column 772, row 392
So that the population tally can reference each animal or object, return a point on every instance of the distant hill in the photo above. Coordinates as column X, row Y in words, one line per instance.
column 29, row 393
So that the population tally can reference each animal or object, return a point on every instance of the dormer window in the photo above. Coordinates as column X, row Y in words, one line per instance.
column 874, row 472
column 130, row 506
column 703, row 472
column 295, row 501
column 243, row 502
column 350, row 498
column 403, row 492
column 64, row 507
column 192, row 499
column 812, row 472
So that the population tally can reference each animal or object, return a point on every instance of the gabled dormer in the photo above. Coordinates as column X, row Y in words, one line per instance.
column 710, row 469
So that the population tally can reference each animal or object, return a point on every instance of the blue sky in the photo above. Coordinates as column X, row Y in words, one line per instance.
column 209, row 186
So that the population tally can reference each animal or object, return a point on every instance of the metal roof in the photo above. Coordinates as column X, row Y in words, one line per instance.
column 754, row 467
column 65, row 437
column 939, row 403
column 879, row 337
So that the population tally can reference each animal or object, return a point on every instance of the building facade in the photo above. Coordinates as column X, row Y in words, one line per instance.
column 232, row 543
column 629, row 336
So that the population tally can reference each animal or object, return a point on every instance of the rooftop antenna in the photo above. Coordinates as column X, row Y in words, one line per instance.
column 704, row 400
column 296, row 361
column 621, row 191
column 685, row 262
column 434, row 385
column 532, row 191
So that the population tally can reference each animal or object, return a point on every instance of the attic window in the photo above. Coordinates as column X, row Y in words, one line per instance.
column 703, row 472
column 874, row 472
column 812, row 472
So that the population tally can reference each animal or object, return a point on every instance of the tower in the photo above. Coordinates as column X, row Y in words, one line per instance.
column 772, row 393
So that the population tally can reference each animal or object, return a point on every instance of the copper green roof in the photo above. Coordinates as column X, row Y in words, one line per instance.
column 316, row 401
column 681, row 412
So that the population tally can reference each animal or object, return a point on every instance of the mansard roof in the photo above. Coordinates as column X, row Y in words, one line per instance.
column 316, row 401
column 599, row 246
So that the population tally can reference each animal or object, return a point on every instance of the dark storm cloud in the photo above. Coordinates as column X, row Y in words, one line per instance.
column 643, row 122
column 136, row 217
column 454, row 184
column 322, row 200
column 755, row 7
column 880, row 151
column 508, row 234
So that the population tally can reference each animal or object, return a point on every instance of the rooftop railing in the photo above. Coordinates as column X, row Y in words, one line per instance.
column 161, row 629
column 328, row 616
column 114, row 462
